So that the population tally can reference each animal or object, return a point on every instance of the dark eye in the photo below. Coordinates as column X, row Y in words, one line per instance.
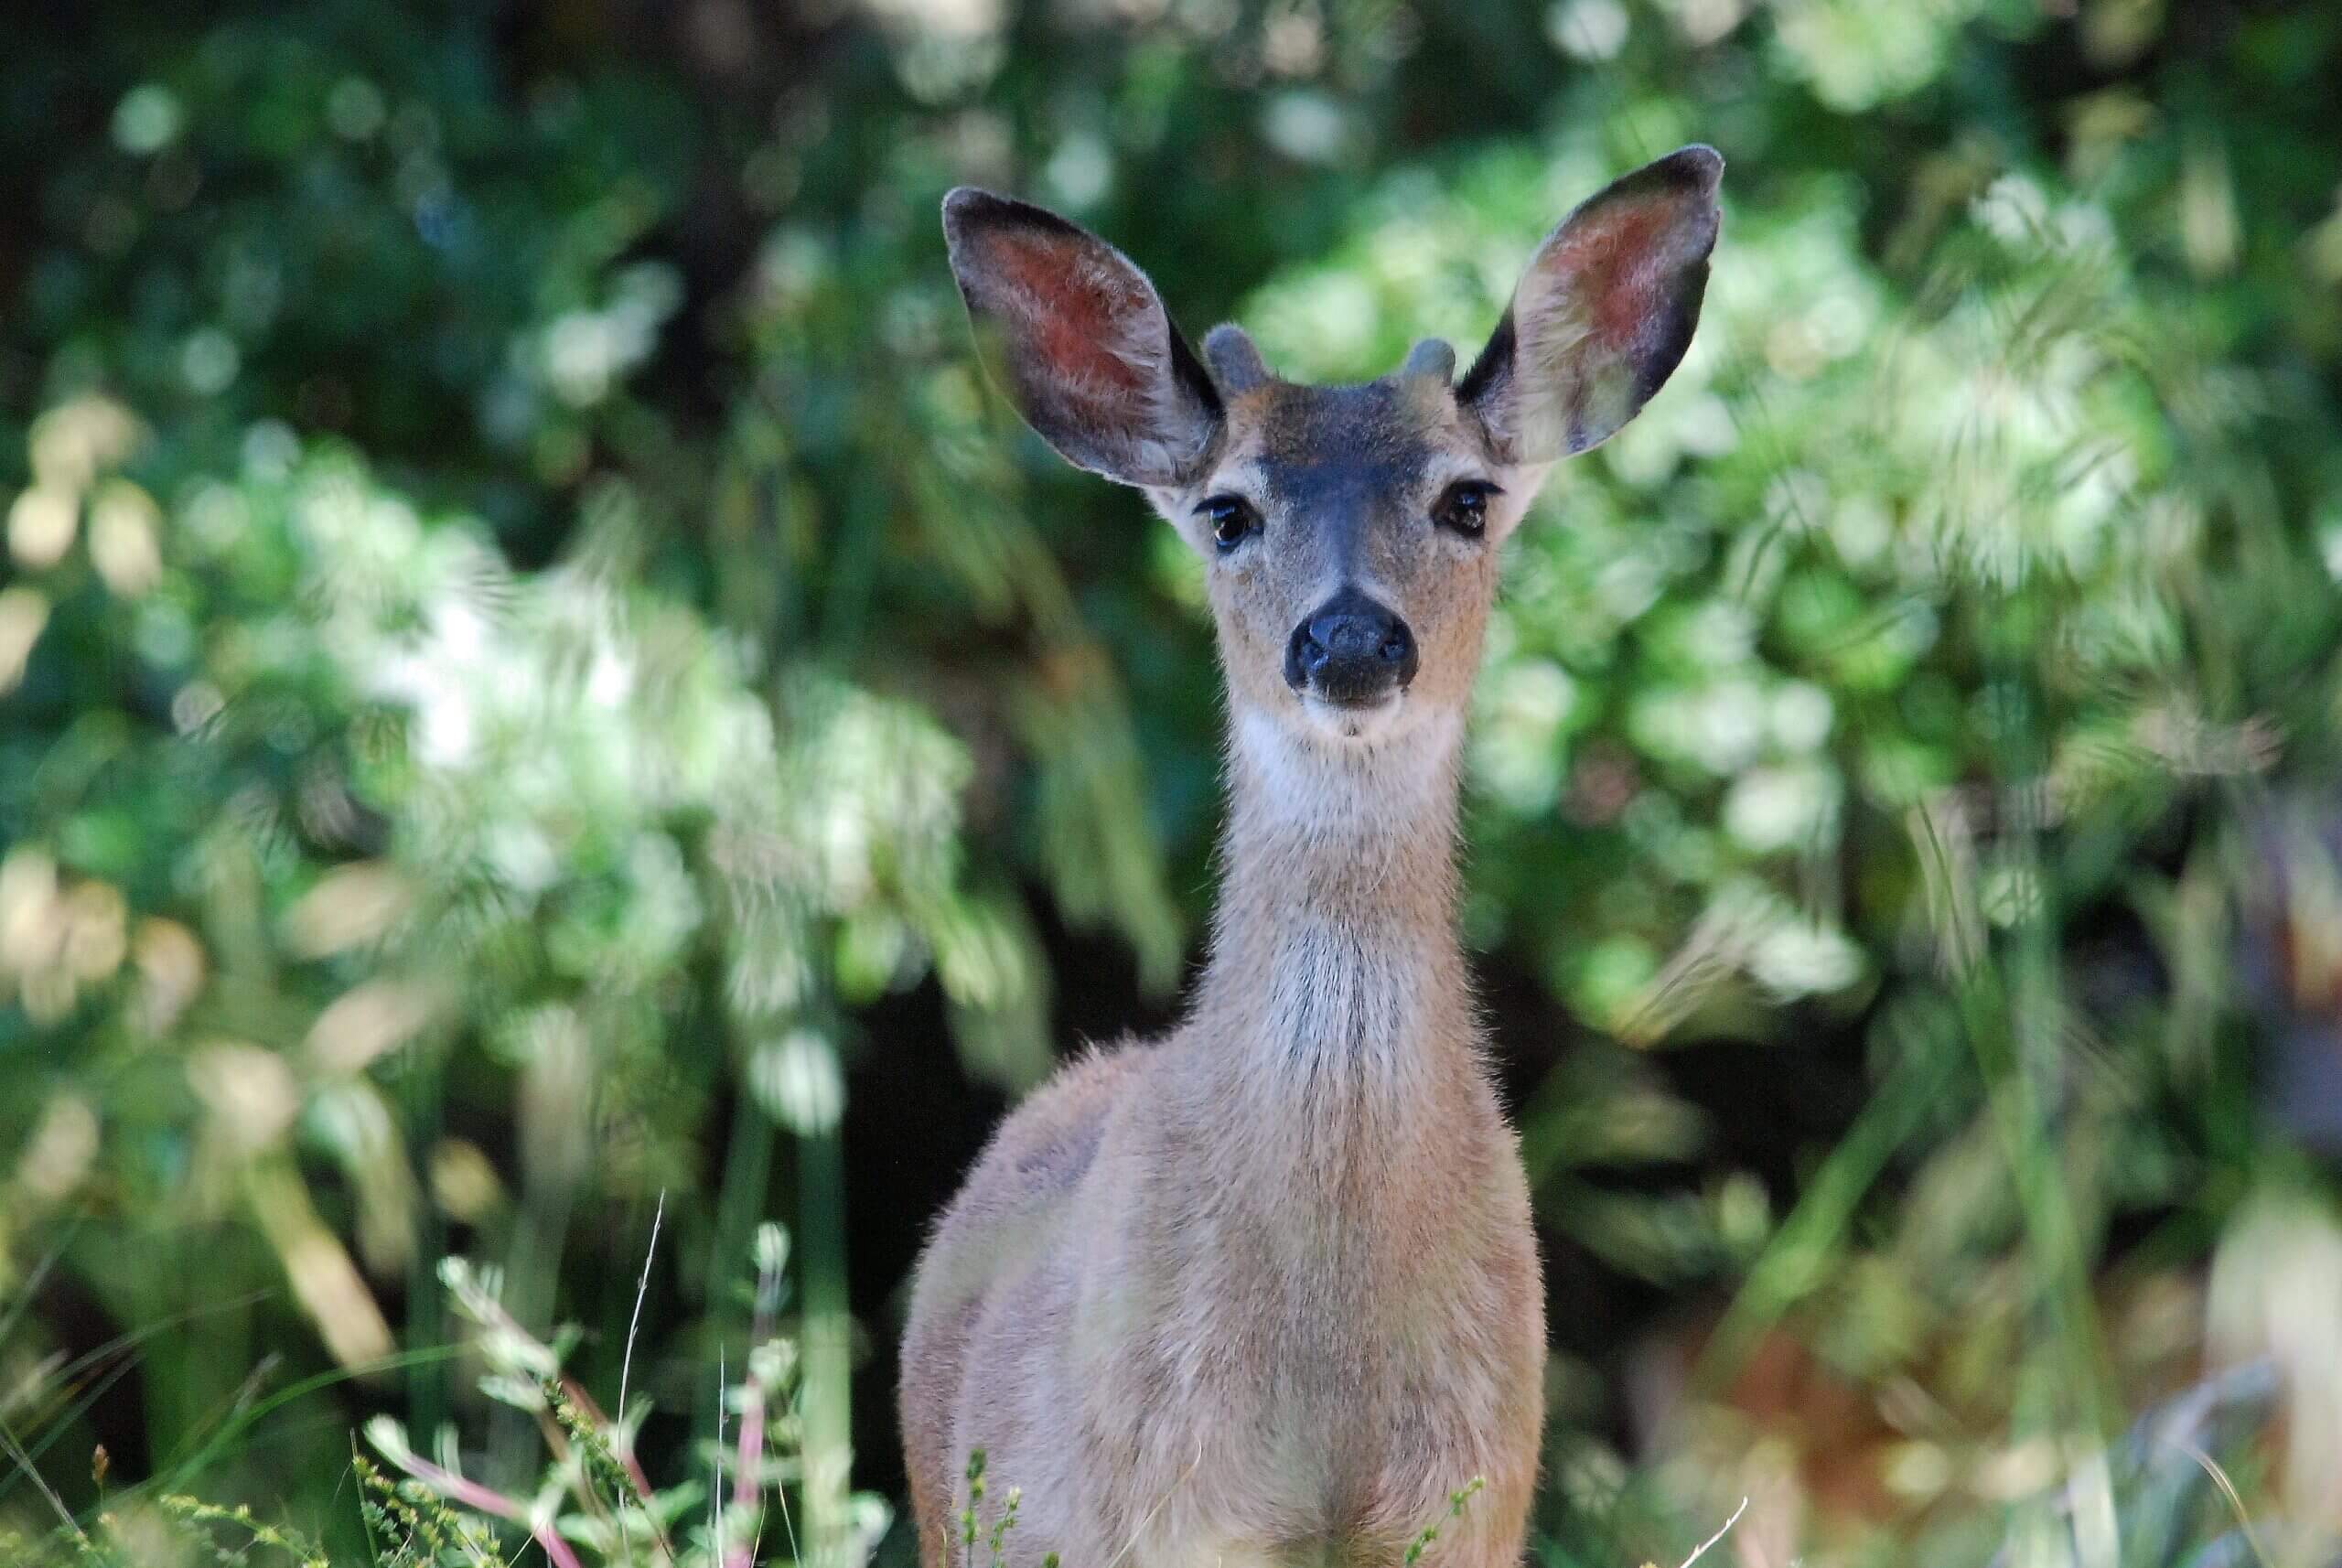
column 1464, row 508
column 1233, row 520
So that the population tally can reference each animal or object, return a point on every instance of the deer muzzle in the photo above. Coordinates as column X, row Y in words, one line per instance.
column 1350, row 651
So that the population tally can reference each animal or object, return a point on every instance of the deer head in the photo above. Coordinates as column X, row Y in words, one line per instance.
column 1349, row 532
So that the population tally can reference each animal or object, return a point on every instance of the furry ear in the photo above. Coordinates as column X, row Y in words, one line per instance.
column 1077, row 336
column 1603, row 314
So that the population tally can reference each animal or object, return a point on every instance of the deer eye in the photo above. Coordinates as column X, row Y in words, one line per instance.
column 1464, row 508
column 1233, row 520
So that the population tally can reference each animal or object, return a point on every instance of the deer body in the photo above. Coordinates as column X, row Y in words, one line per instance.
column 1266, row 1292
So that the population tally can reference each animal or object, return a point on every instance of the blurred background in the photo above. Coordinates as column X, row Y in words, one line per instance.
column 549, row 720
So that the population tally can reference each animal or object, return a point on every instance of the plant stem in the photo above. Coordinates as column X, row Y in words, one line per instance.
column 487, row 1500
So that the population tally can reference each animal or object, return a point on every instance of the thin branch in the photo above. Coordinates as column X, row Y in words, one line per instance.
column 747, row 1466
column 748, row 1479
column 485, row 1499
column 1162, row 1502
column 624, row 1447
column 634, row 1324
column 1722, row 1530
column 635, row 1474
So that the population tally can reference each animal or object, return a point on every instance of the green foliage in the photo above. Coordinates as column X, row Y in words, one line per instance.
column 1457, row 1500
column 972, row 1529
column 202, row 1516
column 594, row 1502
column 530, row 659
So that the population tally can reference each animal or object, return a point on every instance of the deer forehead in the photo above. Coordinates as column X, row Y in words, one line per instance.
column 1314, row 450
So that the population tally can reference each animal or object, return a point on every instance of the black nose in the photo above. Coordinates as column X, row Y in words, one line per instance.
column 1350, row 649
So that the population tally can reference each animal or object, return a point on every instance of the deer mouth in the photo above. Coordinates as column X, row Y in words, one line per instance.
column 1353, row 702
column 1361, row 717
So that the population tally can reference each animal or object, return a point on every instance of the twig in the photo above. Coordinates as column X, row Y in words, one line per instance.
column 747, row 1466
column 1160, row 1503
column 484, row 1499
column 748, row 1477
column 577, row 1396
column 624, row 1447
column 1722, row 1530
column 626, row 1362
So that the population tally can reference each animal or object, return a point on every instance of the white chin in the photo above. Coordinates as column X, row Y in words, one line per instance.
column 1356, row 725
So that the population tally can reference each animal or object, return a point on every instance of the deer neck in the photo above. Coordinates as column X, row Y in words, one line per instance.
column 1336, row 997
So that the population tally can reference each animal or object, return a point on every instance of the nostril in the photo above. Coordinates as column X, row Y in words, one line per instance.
column 1304, row 657
column 1396, row 645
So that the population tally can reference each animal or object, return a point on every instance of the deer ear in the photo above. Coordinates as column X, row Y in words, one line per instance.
column 1603, row 314
column 1077, row 336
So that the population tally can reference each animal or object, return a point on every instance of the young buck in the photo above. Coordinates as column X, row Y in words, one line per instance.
column 1266, row 1292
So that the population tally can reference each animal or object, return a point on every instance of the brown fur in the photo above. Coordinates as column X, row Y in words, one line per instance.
column 1266, row 1292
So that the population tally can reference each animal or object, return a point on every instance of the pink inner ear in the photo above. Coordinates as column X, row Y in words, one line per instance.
column 1078, row 310
column 1618, row 272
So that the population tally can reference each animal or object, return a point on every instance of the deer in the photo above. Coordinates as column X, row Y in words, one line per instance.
column 1264, row 1292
